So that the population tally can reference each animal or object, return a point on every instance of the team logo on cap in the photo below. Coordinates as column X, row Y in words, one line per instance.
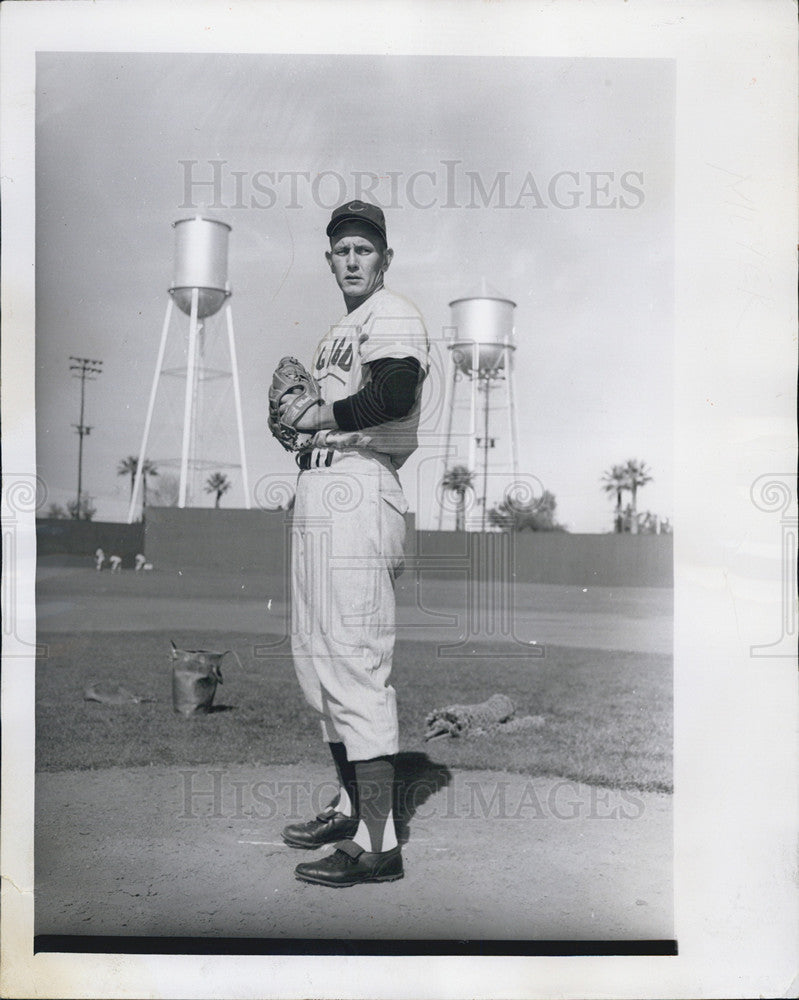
column 356, row 206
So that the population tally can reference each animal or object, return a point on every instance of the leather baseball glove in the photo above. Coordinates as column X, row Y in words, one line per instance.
column 292, row 379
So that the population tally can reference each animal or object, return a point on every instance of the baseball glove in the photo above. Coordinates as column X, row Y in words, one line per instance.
column 291, row 378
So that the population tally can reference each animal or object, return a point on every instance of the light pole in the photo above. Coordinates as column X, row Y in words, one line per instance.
column 84, row 368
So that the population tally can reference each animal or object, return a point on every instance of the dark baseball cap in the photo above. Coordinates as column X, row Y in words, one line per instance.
column 358, row 211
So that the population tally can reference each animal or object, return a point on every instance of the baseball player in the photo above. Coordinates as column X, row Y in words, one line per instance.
column 354, row 428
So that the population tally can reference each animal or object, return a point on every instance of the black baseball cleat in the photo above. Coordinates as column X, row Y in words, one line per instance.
column 350, row 864
column 328, row 827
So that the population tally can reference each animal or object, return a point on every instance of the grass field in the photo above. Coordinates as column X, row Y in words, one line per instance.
column 608, row 715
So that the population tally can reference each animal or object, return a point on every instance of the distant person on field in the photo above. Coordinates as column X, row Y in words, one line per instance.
column 116, row 564
column 99, row 559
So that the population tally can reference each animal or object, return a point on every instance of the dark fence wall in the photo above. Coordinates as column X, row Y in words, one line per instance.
column 234, row 541
column 56, row 537
column 553, row 557
column 228, row 540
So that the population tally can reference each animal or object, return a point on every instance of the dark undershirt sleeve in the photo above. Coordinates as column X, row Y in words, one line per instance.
column 389, row 395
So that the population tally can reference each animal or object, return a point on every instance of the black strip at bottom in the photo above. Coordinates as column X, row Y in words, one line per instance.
column 105, row 945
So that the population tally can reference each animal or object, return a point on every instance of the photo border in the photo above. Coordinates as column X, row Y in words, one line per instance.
column 735, row 737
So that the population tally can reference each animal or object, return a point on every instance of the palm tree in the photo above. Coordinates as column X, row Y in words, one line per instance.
column 129, row 466
column 458, row 480
column 217, row 483
column 638, row 475
column 615, row 482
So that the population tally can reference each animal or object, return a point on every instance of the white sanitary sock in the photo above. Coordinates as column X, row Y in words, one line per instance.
column 362, row 838
column 344, row 803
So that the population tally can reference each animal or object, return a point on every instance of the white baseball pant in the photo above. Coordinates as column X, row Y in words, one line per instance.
column 348, row 532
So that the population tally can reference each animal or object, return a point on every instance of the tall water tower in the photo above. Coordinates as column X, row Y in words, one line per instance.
column 481, row 409
column 200, row 289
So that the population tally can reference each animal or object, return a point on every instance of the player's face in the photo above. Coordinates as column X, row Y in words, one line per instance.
column 358, row 261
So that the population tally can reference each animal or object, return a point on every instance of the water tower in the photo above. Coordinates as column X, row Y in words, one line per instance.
column 481, row 412
column 200, row 289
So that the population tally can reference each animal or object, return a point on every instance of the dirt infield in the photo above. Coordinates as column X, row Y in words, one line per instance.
column 196, row 851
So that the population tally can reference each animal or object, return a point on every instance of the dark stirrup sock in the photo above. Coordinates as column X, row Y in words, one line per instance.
column 375, row 795
column 345, row 770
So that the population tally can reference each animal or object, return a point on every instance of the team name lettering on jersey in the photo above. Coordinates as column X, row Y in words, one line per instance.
column 337, row 354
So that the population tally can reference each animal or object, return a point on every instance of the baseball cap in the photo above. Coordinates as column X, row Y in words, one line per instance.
column 358, row 211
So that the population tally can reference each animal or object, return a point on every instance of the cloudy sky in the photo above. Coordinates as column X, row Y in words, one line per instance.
column 550, row 178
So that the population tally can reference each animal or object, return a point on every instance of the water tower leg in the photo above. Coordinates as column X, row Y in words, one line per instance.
column 514, row 433
column 187, row 407
column 486, row 387
column 234, row 365
column 473, row 408
column 195, row 441
column 448, row 439
column 150, row 407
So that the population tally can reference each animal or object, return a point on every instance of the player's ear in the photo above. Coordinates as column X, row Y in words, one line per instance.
column 329, row 258
column 388, row 255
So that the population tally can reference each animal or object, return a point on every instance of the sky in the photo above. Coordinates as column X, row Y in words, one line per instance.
column 552, row 179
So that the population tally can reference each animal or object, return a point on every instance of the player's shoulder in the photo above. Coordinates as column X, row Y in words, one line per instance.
column 389, row 303
column 394, row 329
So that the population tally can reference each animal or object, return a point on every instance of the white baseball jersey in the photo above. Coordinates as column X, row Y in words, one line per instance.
column 386, row 325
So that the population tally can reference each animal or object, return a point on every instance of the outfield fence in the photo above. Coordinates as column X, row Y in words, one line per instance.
column 249, row 541
column 65, row 537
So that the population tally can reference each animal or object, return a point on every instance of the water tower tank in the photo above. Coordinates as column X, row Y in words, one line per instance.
column 201, row 249
column 483, row 325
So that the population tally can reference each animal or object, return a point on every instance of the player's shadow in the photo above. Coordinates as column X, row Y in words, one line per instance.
column 416, row 779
